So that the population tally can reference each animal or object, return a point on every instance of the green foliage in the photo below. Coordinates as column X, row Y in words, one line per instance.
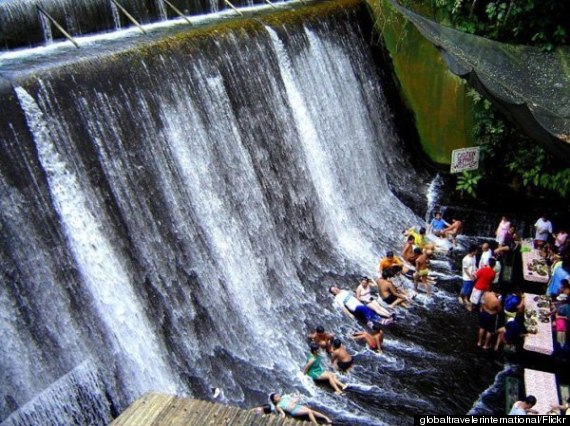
column 467, row 183
column 537, row 22
column 509, row 155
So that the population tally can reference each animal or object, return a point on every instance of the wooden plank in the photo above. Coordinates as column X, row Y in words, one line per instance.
column 143, row 410
column 154, row 409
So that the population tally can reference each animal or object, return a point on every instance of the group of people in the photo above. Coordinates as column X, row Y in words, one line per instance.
column 501, row 315
column 501, row 312
column 373, row 303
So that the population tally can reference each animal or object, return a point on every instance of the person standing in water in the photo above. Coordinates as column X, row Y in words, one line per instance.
column 315, row 370
column 422, row 271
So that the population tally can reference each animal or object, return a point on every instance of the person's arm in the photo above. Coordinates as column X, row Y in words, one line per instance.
column 565, row 406
column 280, row 411
column 308, row 365
column 358, row 292
column 334, row 356
column 347, row 312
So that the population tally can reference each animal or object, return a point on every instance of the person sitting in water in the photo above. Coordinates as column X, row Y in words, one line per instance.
column 524, row 407
column 340, row 356
column 322, row 338
column 374, row 339
column 364, row 295
column 437, row 225
column 391, row 263
column 452, row 231
column 289, row 404
column 354, row 308
column 408, row 250
column 389, row 293
column 315, row 370
column 419, row 236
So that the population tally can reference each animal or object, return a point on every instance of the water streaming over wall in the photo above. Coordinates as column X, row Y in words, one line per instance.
column 175, row 217
column 20, row 21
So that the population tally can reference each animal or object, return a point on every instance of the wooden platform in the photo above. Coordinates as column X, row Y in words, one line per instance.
column 160, row 410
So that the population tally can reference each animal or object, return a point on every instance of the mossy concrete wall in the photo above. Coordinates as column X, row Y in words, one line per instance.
column 442, row 110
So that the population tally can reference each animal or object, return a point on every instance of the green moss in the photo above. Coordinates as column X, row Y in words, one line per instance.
column 442, row 110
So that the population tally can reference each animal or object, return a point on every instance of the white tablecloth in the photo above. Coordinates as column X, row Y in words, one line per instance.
column 540, row 342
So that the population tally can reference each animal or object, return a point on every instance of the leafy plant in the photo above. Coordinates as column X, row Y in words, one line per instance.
column 467, row 183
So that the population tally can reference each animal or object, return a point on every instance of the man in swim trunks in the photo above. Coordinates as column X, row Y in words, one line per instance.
column 422, row 270
column 488, row 317
column 452, row 231
column 340, row 356
column 322, row 338
column 290, row 404
column 364, row 295
column 374, row 338
column 354, row 308
column 390, row 294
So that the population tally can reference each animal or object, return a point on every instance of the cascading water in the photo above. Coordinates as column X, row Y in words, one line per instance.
column 172, row 219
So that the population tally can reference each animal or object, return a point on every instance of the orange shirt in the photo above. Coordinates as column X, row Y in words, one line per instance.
column 388, row 262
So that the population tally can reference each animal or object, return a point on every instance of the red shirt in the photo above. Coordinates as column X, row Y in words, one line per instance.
column 484, row 277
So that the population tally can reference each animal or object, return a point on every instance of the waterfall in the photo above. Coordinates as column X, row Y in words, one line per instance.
column 46, row 28
column 116, row 15
column 173, row 215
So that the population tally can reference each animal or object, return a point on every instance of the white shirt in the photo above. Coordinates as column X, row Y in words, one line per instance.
column 497, row 270
column 543, row 229
column 346, row 299
column 485, row 256
column 468, row 264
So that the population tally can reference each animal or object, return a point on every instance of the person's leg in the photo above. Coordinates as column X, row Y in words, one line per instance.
column 481, row 337
column 321, row 416
column 426, row 284
column 379, row 309
column 488, row 336
column 329, row 377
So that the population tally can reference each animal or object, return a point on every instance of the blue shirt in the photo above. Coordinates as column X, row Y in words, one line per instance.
column 437, row 224
column 556, row 281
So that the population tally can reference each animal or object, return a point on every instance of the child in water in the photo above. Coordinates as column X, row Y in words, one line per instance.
column 373, row 339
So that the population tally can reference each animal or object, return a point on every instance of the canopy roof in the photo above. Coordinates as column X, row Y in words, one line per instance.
column 531, row 86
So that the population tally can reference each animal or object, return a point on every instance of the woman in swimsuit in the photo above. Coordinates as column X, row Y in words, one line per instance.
column 373, row 339
column 315, row 370
column 290, row 404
